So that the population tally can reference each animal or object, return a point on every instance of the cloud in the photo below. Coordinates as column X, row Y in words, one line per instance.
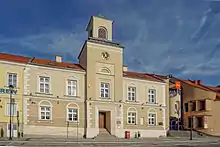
column 160, row 37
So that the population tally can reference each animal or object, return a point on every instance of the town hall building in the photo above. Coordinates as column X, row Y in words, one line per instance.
column 98, row 95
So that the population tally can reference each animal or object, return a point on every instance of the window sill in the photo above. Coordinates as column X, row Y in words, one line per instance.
column 42, row 120
column 43, row 93
column 132, row 101
column 131, row 124
column 104, row 98
column 72, row 96
column 73, row 122
column 148, row 103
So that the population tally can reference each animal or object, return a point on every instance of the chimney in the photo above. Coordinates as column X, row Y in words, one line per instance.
column 58, row 58
column 125, row 68
column 198, row 82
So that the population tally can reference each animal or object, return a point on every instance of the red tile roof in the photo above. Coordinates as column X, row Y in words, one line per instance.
column 52, row 63
column 14, row 58
column 143, row 76
column 37, row 61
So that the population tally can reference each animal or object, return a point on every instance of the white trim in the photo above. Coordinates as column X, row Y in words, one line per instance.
column 143, row 81
column 7, row 75
column 155, row 96
column 76, row 88
column 106, row 47
column 8, row 113
column 67, row 112
column 13, row 63
column 164, row 95
column 39, row 110
column 56, row 69
column 45, row 74
column 150, row 112
column 136, row 119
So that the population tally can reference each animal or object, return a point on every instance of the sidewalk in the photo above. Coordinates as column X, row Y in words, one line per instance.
column 113, row 140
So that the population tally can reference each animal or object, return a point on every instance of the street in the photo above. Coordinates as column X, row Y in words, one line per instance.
column 161, row 142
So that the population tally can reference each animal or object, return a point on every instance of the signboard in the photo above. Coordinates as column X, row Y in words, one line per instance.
column 178, row 85
column 7, row 91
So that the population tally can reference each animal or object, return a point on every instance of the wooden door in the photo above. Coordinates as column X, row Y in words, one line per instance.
column 101, row 120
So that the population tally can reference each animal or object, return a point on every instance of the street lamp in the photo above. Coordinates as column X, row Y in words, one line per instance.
column 191, row 120
column 11, row 87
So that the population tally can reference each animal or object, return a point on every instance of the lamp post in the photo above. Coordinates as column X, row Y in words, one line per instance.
column 11, row 87
column 191, row 120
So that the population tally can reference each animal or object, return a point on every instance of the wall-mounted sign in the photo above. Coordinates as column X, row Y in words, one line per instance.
column 178, row 86
column 7, row 91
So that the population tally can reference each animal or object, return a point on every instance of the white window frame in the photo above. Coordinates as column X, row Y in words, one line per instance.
column 77, row 113
column 43, row 105
column 150, row 100
column 104, row 88
column 13, row 111
column 44, row 84
column 73, row 87
column 152, row 117
column 14, row 84
column 132, row 117
column 132, row 90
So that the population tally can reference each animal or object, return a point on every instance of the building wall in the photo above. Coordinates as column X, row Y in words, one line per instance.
column 194, row 94
column 57, row 98
column 10, row 67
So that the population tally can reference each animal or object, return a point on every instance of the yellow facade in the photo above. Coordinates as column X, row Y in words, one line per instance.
column 6, row 69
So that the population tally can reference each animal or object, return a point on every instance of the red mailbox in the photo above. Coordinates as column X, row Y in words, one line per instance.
column 127, row 135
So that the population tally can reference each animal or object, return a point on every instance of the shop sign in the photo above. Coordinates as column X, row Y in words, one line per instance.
column 7, row 91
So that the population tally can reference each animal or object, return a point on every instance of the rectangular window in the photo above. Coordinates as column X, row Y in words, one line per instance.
column 202, row 105
column 132, row 93
column 71, row 87
column 186, row 107
column 200, row 122
column 152, row 96
column 132, row 118
column 152, row 119
column 45, row 112
column 104, row 90
column 12, row 79
column 45, row 85
column 72, row 114
column 193, row 106
column 14, row 109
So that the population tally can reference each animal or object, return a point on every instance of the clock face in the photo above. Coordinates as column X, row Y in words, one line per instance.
column 105, row 55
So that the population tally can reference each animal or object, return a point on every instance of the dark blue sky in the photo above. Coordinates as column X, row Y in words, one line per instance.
column 179, row 37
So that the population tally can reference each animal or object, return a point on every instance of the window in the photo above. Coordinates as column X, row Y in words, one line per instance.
column 131, row 93
column 132, row 118
column 45, row 112
column 13, row 109
column 200, row 122
column 152, row 96
column 71, row 87
column 202, row 105
column 44, row 84
column 193, row 106
column 12, row 79
column 102, row 33
column 104, row 90
column 186, row 107
column 72, row 114
column 152, row 119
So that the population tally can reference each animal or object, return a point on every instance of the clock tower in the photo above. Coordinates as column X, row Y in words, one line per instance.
column 102, row 59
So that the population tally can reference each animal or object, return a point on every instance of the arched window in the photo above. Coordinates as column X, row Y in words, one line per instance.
column 45, row 110
column 102, row 33
column 73, row 112
column 132, row 116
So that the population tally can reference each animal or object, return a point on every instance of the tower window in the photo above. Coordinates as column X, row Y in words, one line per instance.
column 102, row 33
